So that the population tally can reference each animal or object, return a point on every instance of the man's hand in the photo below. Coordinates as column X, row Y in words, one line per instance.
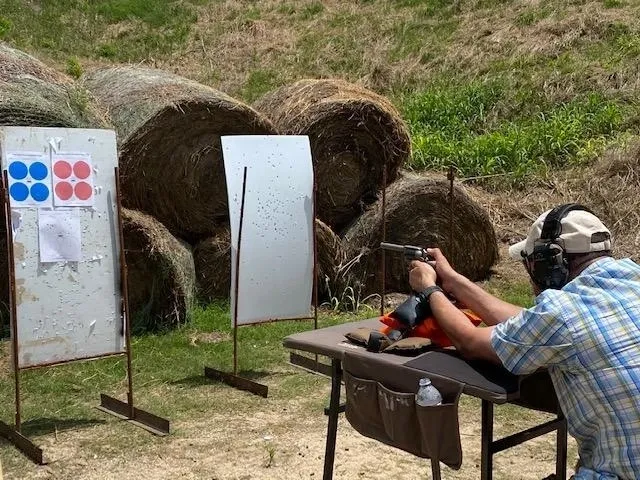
column 421, row 275
column 443, row 269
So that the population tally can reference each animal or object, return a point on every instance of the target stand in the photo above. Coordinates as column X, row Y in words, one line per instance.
column 24, row 244
column 258, row 151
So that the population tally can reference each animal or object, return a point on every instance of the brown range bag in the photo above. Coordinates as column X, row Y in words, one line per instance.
column 381, row 405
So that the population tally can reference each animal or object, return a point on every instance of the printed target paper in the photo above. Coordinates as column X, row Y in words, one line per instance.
column 29, row 179
column 72, row 180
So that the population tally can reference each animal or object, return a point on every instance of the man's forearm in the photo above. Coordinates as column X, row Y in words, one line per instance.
column 491, row 309
column 470, row 341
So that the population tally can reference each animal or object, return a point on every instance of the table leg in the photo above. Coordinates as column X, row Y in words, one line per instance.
column 435, row 469
column 561, row 456
column 334, row 411
column 486, row 456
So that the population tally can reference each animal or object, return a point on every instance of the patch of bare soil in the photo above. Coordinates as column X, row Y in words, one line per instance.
column 208, row 337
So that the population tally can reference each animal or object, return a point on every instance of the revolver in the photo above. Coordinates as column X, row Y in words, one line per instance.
column 410, row 252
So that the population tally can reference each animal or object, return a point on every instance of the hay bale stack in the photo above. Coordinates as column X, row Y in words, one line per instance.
column 161, row 273
column 169, row 131
column 354, row 133
column 32, row 94
column 417, row 213
column 213, row 263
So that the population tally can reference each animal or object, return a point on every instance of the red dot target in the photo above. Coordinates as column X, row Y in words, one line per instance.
column 62, row 169
column 72, row 180
column 64, row 190
column 81, row 170
column 83, row 190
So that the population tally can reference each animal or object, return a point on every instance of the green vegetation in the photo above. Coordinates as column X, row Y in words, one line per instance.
column 74, row 69
column 137, row 28
column 483, row 130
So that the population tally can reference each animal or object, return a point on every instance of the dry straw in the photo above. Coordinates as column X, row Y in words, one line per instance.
column 32, row 94
column 212, row 258
column 610, row 186
column 417, row 213
column 161, row 273
column 354, row 135
column 213, row 263
column 169, row 132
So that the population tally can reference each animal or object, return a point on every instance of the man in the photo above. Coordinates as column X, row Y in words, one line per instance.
column 584, row 327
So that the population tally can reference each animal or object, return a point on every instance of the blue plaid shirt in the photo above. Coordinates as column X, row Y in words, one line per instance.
column 588, row 335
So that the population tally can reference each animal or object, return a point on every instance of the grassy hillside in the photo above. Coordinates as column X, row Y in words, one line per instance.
column 492, row 85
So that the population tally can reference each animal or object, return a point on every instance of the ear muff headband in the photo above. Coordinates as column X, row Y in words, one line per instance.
column 547, row 265
column 552, row 227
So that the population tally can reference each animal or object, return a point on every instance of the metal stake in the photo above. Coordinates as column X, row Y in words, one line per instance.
column 124, row 288
column 315, row 268
column 237, row 279
column 12, row 300
column 384, row 238
column 232, row 378
column 451, row 176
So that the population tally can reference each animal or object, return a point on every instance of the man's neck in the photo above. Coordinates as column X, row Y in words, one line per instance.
column 579, row 266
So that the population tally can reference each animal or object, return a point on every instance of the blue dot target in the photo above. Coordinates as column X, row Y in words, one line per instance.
column 29, row 176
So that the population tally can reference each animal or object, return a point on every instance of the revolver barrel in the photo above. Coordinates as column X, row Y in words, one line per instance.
column 392, row 246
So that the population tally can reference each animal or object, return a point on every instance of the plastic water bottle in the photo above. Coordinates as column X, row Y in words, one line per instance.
column 428, row 395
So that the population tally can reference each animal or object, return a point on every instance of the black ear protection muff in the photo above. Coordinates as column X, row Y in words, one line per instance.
column 547, row 265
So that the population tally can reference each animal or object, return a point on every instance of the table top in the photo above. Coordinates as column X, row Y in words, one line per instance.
column 481, row 379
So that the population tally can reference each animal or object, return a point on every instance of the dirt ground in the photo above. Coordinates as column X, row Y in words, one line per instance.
column 282, row 442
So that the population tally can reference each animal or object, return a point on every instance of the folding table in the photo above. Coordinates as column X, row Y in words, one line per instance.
column 492, row 384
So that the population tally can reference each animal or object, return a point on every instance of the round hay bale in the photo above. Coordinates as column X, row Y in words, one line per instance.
column 331, row 256
column 161, row 273
column 354, row 134
column 417, row 213
column 213, row 263
column 32, row 94
column 212, row 258
column 169, row 132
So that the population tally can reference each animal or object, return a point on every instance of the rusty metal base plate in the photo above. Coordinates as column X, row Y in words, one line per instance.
column 22, row 443
column 148, row 421
column 307, row 363
column 235, row 381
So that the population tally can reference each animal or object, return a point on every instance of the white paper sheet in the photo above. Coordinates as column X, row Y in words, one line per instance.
column 276, row 254
column 29, row 176
column 59, row 236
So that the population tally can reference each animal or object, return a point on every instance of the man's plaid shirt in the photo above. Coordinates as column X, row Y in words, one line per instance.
column 588, row 334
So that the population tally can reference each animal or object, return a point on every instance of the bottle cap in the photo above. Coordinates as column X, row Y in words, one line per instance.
column 425, row 381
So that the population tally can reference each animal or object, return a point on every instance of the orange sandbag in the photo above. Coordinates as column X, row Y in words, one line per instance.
column 429, row 328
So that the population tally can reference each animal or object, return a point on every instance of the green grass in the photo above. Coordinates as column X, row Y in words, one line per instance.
column 483, row 128
column 67, row 393
column 518, row 293
column 87, row 29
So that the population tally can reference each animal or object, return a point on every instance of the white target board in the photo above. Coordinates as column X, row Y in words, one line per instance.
column 275, row 279
column 66, row 243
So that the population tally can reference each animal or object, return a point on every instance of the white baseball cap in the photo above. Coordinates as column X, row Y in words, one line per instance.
column 581, row 232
